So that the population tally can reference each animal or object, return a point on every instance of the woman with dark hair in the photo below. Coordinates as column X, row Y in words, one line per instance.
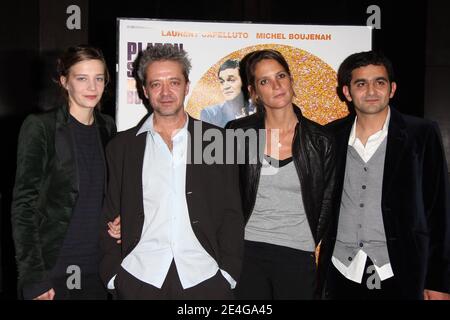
column 60, row 181
column 235, row 105
column 286, row 192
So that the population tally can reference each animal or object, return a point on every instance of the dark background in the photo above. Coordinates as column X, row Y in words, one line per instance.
column 33, row 32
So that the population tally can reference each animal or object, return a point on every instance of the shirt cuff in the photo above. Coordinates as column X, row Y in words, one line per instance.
column 228, row 278
column 111, row 283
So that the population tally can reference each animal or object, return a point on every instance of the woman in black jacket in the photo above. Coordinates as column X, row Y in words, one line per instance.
column 286, row 192
column 60, row 181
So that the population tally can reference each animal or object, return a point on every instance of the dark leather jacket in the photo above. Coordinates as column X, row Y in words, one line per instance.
column 313, row 155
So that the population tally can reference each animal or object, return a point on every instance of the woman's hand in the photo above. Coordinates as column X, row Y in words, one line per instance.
column 114, row 229
column 435, row 295
column 49, row 295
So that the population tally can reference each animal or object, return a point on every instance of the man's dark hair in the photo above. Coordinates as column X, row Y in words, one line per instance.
column 164, row 52
column 362, row 59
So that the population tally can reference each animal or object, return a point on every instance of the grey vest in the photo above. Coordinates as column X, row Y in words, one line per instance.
column 360, row 220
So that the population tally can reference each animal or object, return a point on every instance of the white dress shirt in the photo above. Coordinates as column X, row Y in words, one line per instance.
column 167, row 233
column 355, row 270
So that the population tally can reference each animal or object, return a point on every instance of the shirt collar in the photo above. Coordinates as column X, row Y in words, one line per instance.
column 383, row 131
column 147, row 126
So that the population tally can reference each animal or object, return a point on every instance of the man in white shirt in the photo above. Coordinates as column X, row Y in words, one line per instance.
column 390, row 235
column 181, row 222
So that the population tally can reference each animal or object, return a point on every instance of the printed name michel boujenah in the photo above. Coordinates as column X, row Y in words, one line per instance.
column 133, row 49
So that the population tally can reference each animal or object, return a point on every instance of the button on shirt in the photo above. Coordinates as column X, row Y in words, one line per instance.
column 167, row 233
column 356, row 270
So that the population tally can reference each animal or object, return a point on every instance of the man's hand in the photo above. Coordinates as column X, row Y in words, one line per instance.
column 49, row 295
column 114, row 229
column 435, row 295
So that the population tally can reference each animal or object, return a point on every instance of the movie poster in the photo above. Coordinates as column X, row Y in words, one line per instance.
column 215, row 49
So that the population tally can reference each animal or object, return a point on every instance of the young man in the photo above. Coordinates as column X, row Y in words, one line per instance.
column 181, row 222
column 390, row 237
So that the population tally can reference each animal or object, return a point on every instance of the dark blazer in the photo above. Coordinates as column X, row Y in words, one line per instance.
column 46, row 190
column 212, row 196
column 415, row 204
column 313, row 155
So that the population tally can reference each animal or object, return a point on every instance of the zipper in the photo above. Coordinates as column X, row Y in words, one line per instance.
column 258, row 175
column 300, row 175
column 258, row 169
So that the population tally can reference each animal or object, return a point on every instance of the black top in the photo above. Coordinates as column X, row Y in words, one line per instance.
column 277, row 163
column 81, row 243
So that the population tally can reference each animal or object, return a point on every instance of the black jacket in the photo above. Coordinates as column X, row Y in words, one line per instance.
column 415, row 204
column 212, row 197
column 313, row 155
column 45, row 191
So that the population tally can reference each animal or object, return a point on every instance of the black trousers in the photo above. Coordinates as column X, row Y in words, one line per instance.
column 91, row 288
column 129, row 287
column 276, row 272
column 339, row 287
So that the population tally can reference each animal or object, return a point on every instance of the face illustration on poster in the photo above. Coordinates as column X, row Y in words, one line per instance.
column 234, row 105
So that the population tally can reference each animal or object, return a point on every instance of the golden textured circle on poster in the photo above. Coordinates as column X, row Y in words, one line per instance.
column 314, row 84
